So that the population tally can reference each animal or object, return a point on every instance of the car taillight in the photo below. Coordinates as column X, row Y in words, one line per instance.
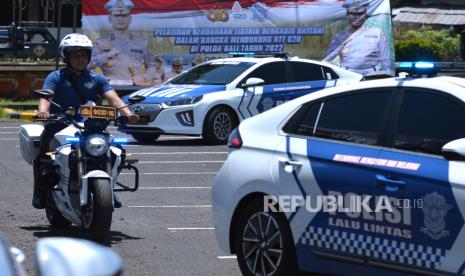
column 235, row 140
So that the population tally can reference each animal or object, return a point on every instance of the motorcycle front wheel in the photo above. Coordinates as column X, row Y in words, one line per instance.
column 97, row 214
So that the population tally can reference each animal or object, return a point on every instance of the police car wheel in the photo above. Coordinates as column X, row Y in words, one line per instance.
column 145, row 138
column 218, row 125
column 263, row 242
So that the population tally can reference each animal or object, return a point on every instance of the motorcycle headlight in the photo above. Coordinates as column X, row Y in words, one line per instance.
column 96, row 144
column 186, row 101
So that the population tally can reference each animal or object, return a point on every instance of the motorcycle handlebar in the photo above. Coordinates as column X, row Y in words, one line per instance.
column 51, row 117
column 58, row 118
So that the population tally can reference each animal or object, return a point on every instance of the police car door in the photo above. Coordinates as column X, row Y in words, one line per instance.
column 329, row 151
column 428, row 233
column 270, row 94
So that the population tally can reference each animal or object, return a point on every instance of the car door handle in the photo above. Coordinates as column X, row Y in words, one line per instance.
column 287, row 162
column 289, row 165
column 390, row 184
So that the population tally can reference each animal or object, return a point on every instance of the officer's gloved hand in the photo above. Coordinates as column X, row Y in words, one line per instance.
column 43, row 114
column 133, row 118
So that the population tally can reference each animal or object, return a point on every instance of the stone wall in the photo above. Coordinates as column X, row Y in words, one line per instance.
column 18, row 81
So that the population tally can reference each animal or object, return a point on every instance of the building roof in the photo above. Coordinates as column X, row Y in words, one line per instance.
column 430, row 15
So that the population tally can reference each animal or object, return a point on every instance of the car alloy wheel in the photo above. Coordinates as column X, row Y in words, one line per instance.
column 262, row 244
column 218, row 124
column 222, row 126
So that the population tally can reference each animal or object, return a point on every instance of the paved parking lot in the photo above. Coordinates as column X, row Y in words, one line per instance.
column 165, row 228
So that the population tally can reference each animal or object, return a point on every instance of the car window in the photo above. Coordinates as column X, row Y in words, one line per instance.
column 217, row 72
column 356, row 118
column 303, row 121
column 271, row 73
column 329, row 73
column 427, row 121
column 304, row 71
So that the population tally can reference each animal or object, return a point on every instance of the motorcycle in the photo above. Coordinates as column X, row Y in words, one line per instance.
column 81, row 175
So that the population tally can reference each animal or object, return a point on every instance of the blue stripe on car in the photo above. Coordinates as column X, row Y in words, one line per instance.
column 180, row 91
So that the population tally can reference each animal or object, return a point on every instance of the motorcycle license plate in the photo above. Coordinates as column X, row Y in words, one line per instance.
column 98, row 112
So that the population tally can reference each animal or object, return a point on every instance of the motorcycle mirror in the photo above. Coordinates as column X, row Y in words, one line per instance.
column 44, row 93
column 136, row 99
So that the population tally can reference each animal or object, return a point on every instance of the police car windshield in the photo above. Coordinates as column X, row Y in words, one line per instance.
column 216, row 72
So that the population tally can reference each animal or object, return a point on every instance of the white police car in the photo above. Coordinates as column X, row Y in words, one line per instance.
column 370, row 178
column 212, row 98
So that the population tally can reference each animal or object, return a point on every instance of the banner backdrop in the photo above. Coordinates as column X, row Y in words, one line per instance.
column 145, row 42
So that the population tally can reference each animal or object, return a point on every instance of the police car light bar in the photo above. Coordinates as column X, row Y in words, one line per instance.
column 405, row 65
column 424, row 65
column 284, row 55
column 241, row 54
column 420, row 68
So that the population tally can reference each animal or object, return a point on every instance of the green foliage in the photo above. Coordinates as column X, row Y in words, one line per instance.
column 10, row 102
column 3, row 113
column 428, row 44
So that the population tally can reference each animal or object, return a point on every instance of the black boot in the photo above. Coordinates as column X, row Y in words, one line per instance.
column 116, row 202
column 38, row 198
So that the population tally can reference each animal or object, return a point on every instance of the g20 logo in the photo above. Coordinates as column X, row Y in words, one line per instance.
column 240, row 16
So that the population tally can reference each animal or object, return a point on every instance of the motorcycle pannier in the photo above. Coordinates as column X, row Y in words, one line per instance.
column 29, row 140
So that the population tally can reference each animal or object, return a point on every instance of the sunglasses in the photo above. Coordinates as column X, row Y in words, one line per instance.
column 121, row 15
column 356, row 13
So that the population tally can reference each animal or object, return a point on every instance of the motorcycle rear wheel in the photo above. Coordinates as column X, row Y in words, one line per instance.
column 54, row 217
column 97, row 214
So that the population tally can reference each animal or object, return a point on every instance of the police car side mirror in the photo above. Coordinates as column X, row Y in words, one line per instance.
column 454, row 150
column 44, row 93
column 54, row 258
column 136, row 99
column 252, row 82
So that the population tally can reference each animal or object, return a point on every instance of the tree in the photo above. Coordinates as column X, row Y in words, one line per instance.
column 428, row 44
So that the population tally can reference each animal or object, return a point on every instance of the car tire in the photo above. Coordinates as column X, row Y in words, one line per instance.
column 264, row 243
column 145, row 137
column 219, row 123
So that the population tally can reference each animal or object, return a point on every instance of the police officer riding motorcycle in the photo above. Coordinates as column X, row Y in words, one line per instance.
column 76, row 165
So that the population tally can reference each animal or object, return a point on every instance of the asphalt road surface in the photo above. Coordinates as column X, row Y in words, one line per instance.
column 165, row 228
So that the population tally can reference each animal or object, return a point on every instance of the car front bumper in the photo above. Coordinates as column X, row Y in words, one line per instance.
column 173, row 120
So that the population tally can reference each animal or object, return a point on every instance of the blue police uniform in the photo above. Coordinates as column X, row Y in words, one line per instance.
column 366, row 50
column 92, row 86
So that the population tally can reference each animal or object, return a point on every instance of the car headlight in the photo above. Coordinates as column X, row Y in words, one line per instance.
column 96, row 144
column 186, row 101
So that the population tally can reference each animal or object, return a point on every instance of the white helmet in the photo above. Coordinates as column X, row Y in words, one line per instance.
column 72, row 42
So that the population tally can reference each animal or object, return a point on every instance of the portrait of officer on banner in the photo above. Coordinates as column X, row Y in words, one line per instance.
column 176, row 68
column 156, row 75
column 122, row 56
column 361, row 49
